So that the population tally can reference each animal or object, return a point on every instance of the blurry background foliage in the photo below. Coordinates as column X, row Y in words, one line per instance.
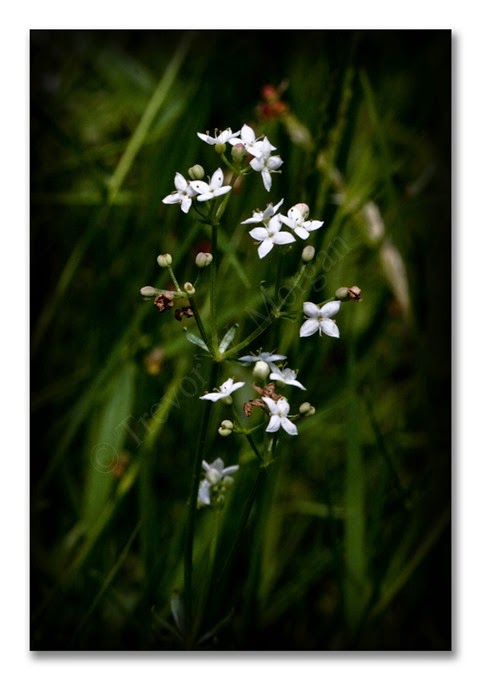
column 355, row 550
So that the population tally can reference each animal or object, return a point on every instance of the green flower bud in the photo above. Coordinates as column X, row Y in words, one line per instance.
column 308, row 253
column 164, row 260
column 196, row 172
column 203, row 260
column 189, row 288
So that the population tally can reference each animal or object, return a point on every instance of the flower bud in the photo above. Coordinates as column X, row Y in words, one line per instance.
column 306, row 409
column 203, row 260
column 239, row 152
column 341, row 293
column 303, row 208
column 261, row 370
column 345, row 294
column 149, row 292
column 189, row 288
column 308, row 253
column 226, row 428
column 196, row 172
column 164, row 260
column 224, row 431
column 226, row 482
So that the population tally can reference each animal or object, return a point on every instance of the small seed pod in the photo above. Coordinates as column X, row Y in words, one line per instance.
column 189, row 288
column 149, row 292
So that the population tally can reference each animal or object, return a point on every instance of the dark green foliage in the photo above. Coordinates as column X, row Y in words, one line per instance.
column 345, row 543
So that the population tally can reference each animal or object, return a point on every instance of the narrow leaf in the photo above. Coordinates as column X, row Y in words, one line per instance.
column 227, row 339
column 195, row 340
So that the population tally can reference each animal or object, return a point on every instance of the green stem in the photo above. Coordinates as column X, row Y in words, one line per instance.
column 192, row 506
column 198, row 321
column 274, row 313
column 213, row 288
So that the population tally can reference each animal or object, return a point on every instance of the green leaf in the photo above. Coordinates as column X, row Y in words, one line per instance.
column 228, row 337
column 195, row 340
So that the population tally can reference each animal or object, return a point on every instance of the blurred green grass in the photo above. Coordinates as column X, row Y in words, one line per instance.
column 348, row 545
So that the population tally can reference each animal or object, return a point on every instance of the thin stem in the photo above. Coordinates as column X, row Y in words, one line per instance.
column 213, row 287
column 192, row 506
column 274, row 313
column 198, row 321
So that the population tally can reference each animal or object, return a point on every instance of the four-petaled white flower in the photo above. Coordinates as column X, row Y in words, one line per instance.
column 214, row 474
column 183, row 195
column 270, row 235
column 225, row 136
column 225, row 390
column 320, row 319
column 286, row 376
column 265, row 163
column 207, row 191
column 297, row 220
column 264, row 217
column 279, row 410
column 268, row 357
column 255, row 147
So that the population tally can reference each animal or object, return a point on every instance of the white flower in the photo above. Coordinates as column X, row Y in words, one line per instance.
column 264, row 217
column 320, row 319
column 225, row 136
column 270, row 235
column 268, row 357
column 183, row 195
column 214, row 473
column 251, row 144
column 265, row 163
column 296, row 221
column 286, row 376
column 225, row 390
column 279, row 410
column 207, row 191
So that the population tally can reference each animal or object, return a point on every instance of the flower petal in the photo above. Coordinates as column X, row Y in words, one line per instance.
column 283, row 407
column 330, row 309
column 310, row 309
column 217, row 179
column 283, row 237
column 265, row 247
column 301, row 232
column 329, row 327
column 180, row 182
column 274, row 423
column 309, row 327
column 213, row 396
column 259, row 233
column 271, row 404
column 267, row 179
column 288, row 426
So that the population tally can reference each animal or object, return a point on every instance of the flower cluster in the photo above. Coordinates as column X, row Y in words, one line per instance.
column 270, row 233
column 257, row 151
